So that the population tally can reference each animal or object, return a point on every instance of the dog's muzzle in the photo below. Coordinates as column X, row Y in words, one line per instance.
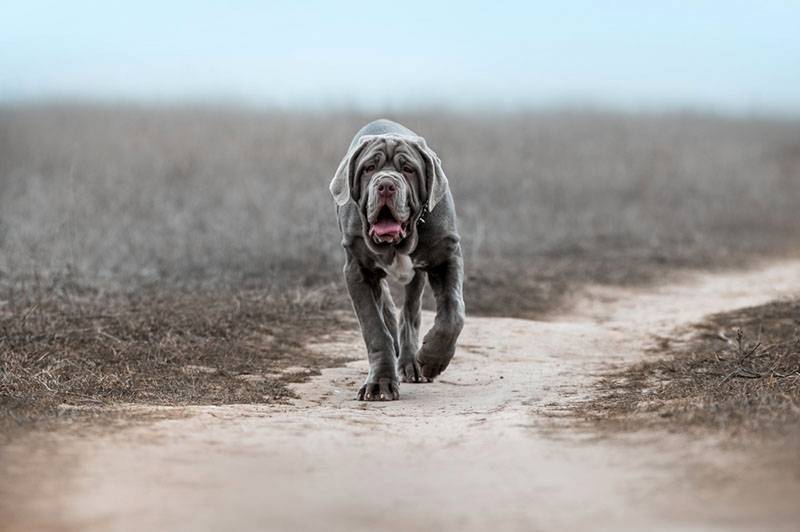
column 388, row 213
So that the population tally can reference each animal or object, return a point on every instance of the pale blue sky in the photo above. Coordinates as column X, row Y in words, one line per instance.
column 725, row 55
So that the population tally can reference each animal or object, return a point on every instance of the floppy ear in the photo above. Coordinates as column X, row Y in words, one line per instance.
column 435, row 180
column 342, row 187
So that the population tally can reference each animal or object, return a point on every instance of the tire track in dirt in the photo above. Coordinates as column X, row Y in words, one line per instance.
column 490, row 444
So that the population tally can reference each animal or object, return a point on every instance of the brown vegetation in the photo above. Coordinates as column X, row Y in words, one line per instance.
column 153, row 347
column 739, row 372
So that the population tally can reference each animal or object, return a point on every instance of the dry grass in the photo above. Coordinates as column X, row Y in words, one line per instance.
column 155, row 348
column 127, row 197
column 739, row 373
column 138, row 242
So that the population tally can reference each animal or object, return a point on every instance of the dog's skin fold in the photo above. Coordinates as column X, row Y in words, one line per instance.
column 387, row 180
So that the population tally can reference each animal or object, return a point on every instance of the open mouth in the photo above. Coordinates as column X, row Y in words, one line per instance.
column 386, row 228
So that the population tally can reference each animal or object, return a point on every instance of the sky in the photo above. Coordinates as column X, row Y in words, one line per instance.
column 728, row 56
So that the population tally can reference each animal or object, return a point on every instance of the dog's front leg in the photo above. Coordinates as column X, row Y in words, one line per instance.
column 365, row 292
column 439, row 344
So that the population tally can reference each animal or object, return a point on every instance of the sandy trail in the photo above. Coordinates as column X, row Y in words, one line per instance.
column 486, row 446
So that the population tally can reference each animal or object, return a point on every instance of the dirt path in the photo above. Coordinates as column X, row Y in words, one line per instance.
column 487, row 446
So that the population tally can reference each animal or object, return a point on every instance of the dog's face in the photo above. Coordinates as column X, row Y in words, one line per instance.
column 390, row 178
column 388, row 186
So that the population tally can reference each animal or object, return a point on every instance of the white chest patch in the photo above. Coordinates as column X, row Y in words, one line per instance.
column 401, row 269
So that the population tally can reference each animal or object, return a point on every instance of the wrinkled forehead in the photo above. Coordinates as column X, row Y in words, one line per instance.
column 385, row 149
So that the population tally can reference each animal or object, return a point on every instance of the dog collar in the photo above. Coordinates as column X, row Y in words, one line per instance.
column 421, row 218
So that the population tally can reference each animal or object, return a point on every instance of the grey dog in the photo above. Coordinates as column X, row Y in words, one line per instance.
column 397, row 217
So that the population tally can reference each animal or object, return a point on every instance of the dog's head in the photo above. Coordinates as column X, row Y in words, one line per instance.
column 391, row 178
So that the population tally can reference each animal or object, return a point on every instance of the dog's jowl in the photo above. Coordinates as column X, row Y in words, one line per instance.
column 397, row 219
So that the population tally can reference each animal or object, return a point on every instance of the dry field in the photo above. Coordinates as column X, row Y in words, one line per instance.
column 189, row 257
column 493, row 443
column 125, row 198
column 738, row 373
column 129, row 234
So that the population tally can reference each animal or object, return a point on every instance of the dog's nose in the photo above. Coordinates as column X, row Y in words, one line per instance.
column 386, row 188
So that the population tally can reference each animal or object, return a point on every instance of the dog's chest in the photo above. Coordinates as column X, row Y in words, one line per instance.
column 401, row 269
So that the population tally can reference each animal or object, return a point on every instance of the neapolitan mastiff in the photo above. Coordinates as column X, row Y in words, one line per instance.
column 397, row 217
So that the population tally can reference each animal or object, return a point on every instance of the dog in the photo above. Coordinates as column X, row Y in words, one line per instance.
column 397, row 219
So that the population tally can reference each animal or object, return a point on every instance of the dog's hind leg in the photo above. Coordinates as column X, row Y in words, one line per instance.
column 407, row 366
column 389, row 312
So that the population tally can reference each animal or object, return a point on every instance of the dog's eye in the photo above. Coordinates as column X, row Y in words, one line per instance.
column 369, row 169
column 408, row 170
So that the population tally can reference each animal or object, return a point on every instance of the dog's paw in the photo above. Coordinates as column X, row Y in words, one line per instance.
column 385, row 389
column 410, row 371
column 430, row 367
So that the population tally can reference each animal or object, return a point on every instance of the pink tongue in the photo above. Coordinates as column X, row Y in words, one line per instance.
column 386, row 227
